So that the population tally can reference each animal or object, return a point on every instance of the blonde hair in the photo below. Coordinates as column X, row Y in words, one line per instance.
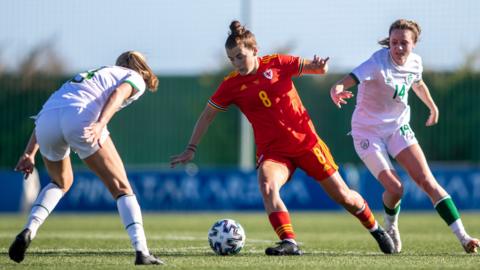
column 402, row 24
column 239, row 35
column 137, row 62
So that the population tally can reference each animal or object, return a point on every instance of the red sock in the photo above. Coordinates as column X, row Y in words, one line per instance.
column 281, row 224
column 366, row 217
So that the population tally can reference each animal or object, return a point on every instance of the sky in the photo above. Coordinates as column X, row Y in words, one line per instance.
column 185, row 37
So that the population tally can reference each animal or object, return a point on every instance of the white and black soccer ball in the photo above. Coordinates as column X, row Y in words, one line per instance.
column 226, row 237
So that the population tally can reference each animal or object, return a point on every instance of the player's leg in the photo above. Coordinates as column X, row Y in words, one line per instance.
column 55, row 152
column 413, row 160
column 372, row 151
column 354, row 203
column 108, row 166
column 319, row 164
column 380, row 166
column 61, row 175
column 62, row 178
column 272, row 175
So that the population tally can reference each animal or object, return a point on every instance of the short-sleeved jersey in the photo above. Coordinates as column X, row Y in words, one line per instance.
column 271, row 103
column 382, row 98
column 91, row 90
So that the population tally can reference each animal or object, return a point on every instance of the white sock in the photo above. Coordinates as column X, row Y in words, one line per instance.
column 374, row 228
column 43, row 206
column 390, row 220
column 131, row 215
column 458, row 229
column 291, row 240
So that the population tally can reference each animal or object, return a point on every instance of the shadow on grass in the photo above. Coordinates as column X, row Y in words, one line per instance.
column 163, row 253
column 93, row 253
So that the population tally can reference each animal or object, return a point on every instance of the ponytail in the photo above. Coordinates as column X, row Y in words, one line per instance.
column 137, row 62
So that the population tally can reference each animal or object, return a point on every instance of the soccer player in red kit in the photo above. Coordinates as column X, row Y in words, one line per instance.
column 262, row 88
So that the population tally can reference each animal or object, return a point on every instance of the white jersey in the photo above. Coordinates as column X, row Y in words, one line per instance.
column 91, row 90
column 382, row 98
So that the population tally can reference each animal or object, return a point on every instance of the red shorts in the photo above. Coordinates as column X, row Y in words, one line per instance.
column 317, row 162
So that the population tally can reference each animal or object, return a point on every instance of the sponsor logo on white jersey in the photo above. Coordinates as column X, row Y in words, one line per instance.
column 364, row 144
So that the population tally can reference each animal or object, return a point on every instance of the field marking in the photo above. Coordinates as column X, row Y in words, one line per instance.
column 102, row 250
column 169, row 251
column 205, row 249
column 117, row 236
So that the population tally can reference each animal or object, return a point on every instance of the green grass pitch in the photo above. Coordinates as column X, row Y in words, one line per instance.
column 331, row 240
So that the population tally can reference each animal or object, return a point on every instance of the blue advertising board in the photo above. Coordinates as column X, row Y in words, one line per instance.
column 232, row 189
column 11, row 187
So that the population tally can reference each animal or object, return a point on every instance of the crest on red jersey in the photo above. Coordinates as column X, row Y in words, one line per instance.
column 268, row 74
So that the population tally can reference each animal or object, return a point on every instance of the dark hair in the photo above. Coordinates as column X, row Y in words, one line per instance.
column 402, row 24
column 239, row 35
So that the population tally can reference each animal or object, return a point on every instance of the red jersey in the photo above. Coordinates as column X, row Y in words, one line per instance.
column 271, row 103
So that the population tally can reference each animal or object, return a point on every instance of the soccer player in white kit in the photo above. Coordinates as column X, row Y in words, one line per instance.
column 76, row 116
column 380, row 126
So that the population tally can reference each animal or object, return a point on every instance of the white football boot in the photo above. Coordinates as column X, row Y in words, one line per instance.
column 391, row 227
column 470, row 244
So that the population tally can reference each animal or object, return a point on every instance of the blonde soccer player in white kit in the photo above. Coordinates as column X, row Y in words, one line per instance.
column 76, row 116
column 380, row 126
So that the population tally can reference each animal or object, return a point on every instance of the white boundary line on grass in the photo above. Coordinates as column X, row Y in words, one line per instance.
column 116, row 236
column 170, row 251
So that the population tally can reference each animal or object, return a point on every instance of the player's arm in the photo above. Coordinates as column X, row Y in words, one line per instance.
column 316, row 66
column 203, row 122
column 421, row 89
column 339, row 92
column 27, row 161
column 93, row 132
column 201, row 127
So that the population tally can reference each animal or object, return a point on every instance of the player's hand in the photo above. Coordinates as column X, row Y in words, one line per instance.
column 338, row 95
column 183, row 158
column 25, row 164
column 433, row 118
column 320, row 63
column 93, row 132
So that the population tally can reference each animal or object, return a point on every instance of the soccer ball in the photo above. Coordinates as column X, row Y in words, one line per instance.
column 226, row 237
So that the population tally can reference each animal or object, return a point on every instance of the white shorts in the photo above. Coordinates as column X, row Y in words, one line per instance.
column 373, row 149
column 59, row 129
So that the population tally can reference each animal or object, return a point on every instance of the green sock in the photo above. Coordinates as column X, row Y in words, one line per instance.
column 447, row 210
column 392, row 212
